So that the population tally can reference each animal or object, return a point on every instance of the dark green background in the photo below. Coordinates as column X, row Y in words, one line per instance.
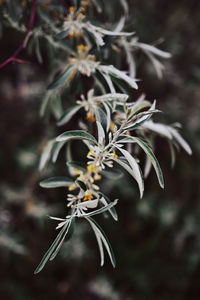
column 157, row 239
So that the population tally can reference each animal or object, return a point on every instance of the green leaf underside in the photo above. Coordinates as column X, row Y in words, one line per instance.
column 108, row 206
column 44, row 104
column 136, row 172
column 114, row 174
column 112, row 209
column 56, row 150
column 101, row 117
column 131, row 172
column 55, row 182
column 66, row 117
column 103, row 238
column 52, row 248
column 147, row 149
column 62, row 78
column 68, row 234
column 77, row 165
column 76, row 135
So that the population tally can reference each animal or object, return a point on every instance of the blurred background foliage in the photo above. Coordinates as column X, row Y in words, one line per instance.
column 157, row 239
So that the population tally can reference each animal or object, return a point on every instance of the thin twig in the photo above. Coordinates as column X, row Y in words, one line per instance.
column 25, row 40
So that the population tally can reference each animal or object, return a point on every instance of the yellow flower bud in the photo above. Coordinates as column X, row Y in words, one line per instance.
column 88, row 196
column 71, row 9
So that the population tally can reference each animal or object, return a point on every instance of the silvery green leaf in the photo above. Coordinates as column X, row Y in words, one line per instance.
column 100, row 30
column 124, row 4
column 68, row 114
column 67, row 235
column 108, row 81
column 106, row 201
column 120, row 24
column 108, row 116
column 99, row 241
column 147, row 167
column 147, row 149
column 45, row 102
column 130, row 60
column 62, row 78
column 122, row 85
column 56, row 106
column 46, row 154
column 87, row 204
column 101, row 119
column 158, row 66
column 112, row 174
column 52, row 248
column 173, row 154
column 37, row 50
column 158, row 128
column 56, row 150
column 107, row 206
column 178, row 138
column 125, row 166
column 111, row 97
column 101, row 133
column 140, row 104
column 76, row 135
column 100, row 233
column 119, row 74
column 76, row 165
column 96, row 33
column 154, row 50
column 55, row 182
column 142, row 117
column 134, row 169
column 63, row 34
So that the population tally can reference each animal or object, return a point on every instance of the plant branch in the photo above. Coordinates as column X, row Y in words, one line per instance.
column 25, row 40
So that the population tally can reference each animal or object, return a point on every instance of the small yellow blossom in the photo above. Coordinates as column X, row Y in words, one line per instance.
column 82, row 48
column 91, row 153
column 112, row 126
column 77, row 171
column 73, row 74
column 88, row 196
column 90, row 117
column 71, row 187
column 81, row 178
column 91, row 168
column 115, row 155
column 71, row 9
column 97, row 177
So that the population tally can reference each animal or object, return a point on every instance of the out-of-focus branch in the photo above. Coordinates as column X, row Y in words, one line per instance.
column 24, row 43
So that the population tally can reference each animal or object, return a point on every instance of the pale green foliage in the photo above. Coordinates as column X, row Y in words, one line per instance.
column 120, row 124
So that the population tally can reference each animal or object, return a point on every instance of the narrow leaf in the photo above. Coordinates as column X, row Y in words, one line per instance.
column 104, row 239
column 67, row 235
column 76, row 135
column 51, row 249
column 55, row 182
column 136, row 169
column 62, row 78
column 68, row 115
column 106, row 201
column 147, row 149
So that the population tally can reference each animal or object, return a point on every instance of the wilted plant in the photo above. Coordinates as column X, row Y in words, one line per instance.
column 114, row 126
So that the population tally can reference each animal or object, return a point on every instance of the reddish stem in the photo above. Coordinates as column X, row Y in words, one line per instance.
column 25, row 40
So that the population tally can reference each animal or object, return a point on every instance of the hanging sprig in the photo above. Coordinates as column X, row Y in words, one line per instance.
column 111, row 124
